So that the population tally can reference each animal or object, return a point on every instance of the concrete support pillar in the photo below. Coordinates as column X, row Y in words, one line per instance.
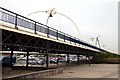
column 68, row 59
column 57, row 58
column 11, row 58
column 78, row 59
column 27, row 59
column 89, row 60
column 47, row 59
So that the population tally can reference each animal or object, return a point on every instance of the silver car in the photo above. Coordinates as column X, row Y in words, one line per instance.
column 36, row 62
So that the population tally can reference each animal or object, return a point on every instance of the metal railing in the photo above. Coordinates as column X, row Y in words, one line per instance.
column 19, row 20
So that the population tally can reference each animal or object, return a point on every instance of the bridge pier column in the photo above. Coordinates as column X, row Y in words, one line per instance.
column 78, row 59
column 27, row 59
column 57, row 58
column 68, row 59
column 11, row 60
column 47, row 59
column 89, row 60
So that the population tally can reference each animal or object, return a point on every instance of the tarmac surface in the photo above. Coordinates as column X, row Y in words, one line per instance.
column 78, row 71
column 86, row 71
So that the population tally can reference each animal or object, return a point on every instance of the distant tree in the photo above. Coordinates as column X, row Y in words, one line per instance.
column 103, row 57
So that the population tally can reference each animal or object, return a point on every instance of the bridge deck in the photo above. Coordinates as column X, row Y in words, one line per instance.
column 23, row 34
column 6, row 26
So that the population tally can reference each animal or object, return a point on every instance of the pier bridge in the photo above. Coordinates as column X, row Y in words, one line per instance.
column 22, row 34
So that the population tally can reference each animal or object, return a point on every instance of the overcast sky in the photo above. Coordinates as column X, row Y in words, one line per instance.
column 92, row 17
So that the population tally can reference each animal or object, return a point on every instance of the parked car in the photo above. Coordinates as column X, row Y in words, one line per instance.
column 30, row 57
column 53, row 61
column 74, row 59
column 61, row 59
column 6, row 60
column 36, row 62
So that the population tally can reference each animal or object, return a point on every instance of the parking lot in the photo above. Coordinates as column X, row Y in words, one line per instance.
column 75, row 71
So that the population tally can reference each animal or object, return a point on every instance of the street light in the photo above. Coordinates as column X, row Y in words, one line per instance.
column 48, row 11
column 51, row 12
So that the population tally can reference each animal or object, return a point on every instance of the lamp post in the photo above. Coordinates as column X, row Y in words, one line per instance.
column 51, row 12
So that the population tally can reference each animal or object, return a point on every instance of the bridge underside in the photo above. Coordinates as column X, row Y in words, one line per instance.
column 12, row 41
